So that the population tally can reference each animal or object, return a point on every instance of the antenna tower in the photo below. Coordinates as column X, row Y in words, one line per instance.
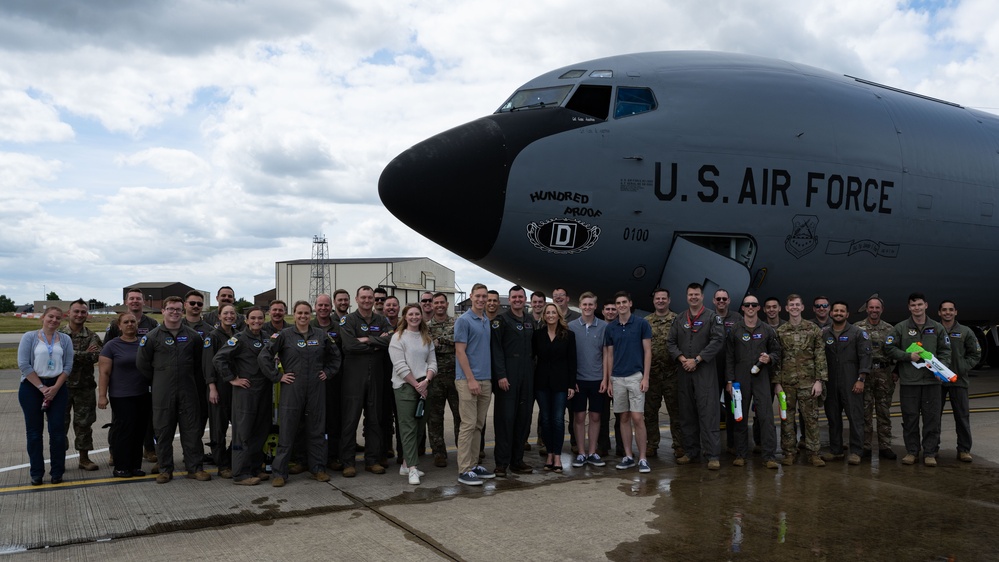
column 319, row 280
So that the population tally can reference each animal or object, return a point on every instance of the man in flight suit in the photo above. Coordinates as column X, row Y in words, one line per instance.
column 513, row 380
column 169, row 357
column 695, row 340
column 919, row 390
column 753, row 346
column 848, row 357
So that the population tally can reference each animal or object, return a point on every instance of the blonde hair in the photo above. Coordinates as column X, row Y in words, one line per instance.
column 401, row 324
column 561, row 329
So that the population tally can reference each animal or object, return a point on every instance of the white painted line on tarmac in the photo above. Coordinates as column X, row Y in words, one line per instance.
column 104, row 450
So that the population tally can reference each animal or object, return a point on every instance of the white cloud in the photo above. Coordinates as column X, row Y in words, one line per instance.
column 24, row 119
column 202, row 141
column 175, row 164
column 22, row 172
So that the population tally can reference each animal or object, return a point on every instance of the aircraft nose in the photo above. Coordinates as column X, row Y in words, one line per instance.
column 451, row 187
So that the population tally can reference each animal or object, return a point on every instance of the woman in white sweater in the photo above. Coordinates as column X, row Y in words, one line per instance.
column 413, row 365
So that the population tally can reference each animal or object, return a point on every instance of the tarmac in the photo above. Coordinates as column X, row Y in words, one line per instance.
column 879, row 510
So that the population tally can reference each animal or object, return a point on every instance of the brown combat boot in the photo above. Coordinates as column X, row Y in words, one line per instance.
column 85, row 462
column 199, row 475
column 816, row 460
column 788, row 460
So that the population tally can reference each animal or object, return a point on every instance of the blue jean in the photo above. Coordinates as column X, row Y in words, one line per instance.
column 551, row 416
column 31, row 400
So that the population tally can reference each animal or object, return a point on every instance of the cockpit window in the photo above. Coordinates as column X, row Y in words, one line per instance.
column 536, row 98
column 591, row 100
column 602, row 74
column 572, row 74
column 632, row 101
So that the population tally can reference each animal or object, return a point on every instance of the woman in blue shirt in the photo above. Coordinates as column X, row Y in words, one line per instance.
column 131, row 403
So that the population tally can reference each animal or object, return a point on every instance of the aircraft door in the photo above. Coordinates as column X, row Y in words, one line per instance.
column 715, row 261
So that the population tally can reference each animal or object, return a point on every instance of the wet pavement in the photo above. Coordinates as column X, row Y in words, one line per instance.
column 879, row 510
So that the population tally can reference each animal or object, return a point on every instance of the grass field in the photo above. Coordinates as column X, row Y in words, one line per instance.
column 8, row 358
column 9, row 324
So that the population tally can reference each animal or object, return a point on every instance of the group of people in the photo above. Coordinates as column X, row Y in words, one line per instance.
column 295, row 393
column 827, row 362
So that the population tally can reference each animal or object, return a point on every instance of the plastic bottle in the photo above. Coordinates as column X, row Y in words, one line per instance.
column 737, row 401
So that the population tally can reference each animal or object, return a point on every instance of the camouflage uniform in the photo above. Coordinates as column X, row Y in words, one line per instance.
column 442, row 389
column 662, row 387
column 803, row 362
column 82, row 387
column 879, row 388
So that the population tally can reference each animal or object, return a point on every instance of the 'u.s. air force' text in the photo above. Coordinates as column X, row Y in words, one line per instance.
column 766, row 186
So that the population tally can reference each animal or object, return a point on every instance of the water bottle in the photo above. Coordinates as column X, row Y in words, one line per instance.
column 737, row 401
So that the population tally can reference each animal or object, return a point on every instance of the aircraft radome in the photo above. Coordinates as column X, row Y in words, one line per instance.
column 659, row 169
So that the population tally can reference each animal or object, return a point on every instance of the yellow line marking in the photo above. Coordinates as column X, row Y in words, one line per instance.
column 90, row 482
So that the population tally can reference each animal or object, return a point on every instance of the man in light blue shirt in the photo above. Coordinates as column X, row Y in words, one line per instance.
column 591, row 380
column 473, row 373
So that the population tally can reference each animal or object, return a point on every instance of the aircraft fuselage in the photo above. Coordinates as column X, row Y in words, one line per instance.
column 661, row 169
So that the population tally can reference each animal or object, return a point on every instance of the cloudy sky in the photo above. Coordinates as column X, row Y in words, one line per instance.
column 201, row 141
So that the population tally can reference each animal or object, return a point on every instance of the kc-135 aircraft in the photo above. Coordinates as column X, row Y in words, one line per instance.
column 735, row 171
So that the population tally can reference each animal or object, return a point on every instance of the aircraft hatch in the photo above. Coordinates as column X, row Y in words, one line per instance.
column 717, row 261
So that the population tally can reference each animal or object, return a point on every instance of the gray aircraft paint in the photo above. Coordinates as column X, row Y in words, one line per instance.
column 818, row 183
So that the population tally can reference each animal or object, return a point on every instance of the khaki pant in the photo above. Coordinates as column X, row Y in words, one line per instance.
column 473, row 410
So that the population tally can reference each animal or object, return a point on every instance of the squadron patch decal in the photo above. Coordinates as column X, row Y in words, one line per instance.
column 562, row 236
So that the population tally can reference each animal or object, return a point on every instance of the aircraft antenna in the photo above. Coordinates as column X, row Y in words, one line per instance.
column 319, row 280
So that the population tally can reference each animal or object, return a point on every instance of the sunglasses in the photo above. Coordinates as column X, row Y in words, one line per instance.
column 721, row 299
column 750, row 304
column 195, row 303
column 426, row 300
column 380, row 299
column 822, row 305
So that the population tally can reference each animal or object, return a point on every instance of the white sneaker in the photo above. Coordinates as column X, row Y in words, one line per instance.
column 406, row 471
column 414, row 476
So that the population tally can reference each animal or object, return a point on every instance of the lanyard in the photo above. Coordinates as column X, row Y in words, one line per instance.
column 49, row 345
column 690, row 321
